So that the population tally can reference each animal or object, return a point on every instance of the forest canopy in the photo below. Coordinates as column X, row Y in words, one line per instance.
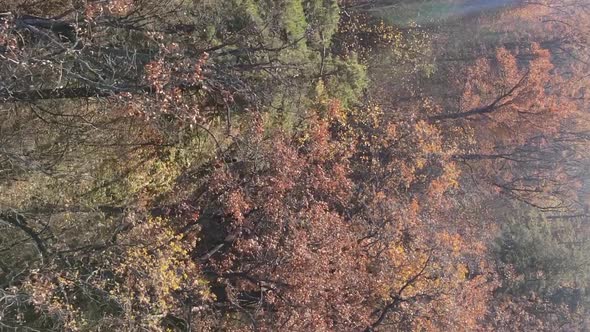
column 294, row 165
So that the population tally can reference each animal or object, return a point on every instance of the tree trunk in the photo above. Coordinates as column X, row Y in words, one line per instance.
column 459, row 115
column 81, row 92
